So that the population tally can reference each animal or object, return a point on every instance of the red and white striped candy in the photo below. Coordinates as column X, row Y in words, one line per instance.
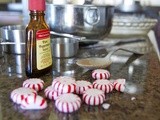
column 50, row 93
column 34, row 83
column 100, row 74
column 119, row 85
column 34, row 102
column 93, row 97
column 19, row 94
column 104, row 85
column 64, row 84
column 68, row 103
column 82, row 86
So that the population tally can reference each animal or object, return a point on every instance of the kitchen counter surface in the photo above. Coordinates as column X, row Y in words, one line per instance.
column 141, row 101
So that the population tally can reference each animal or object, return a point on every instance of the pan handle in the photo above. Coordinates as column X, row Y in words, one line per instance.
column 67, row 35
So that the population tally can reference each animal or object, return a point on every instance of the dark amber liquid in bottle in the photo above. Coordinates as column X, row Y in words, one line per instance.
column 37, row 22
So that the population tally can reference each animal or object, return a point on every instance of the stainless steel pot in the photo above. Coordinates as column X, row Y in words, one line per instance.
column 13, row 38
column 82, row 20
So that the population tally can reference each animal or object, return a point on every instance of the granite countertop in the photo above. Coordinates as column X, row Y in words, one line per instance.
column 140, row 102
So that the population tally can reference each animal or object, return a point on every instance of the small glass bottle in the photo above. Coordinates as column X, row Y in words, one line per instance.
column 38, row 57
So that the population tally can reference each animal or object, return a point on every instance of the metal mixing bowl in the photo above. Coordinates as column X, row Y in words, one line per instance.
column 93, row 22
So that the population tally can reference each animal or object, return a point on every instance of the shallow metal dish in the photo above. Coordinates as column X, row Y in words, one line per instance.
column 82, row 20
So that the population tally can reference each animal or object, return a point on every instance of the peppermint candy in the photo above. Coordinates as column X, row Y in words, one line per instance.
column 34, row 83
column 64, row 84
column 50, row 93
column 93, row 97
column 119, row 85
column 82, row 86
column 68, row 103
column 100, row 74
column 33, row 102
column 19, row 94
column 104, row 85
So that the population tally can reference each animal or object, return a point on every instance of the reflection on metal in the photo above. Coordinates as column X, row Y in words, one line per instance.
column 63, row 66
column 130, row 71
column 12, row 65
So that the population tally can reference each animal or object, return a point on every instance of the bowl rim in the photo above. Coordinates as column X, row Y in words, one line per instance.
column 80, row 6
column 13, row 27
column 64, row 40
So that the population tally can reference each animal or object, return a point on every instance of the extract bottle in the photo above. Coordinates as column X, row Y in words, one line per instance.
column 38, row 57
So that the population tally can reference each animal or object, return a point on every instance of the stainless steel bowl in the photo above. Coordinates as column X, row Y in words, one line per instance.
column 13, row 37
column 82, row 20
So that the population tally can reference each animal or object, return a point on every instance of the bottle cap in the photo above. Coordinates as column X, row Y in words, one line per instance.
column 36, row 5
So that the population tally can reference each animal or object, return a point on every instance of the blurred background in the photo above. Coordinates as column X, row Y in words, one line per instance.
column 18, row 8
column 131, row 17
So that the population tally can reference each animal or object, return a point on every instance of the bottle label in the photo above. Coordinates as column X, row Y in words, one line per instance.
column 43, row 48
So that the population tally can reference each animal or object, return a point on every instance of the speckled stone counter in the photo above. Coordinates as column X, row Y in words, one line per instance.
column 141, row 102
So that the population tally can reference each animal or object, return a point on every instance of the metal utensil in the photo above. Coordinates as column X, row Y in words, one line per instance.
column 94, row 62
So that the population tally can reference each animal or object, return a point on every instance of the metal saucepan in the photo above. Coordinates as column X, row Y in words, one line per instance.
column 13, row 39
column 92, row 22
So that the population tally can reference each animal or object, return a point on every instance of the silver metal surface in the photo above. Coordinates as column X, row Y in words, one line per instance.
column 82, row 20
column 10, row 43
column 130, row 6
column 13, row 34
column 67, row 35
column 64, row 47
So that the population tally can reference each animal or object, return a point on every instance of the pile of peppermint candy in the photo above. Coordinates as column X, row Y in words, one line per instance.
column 67, row 92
